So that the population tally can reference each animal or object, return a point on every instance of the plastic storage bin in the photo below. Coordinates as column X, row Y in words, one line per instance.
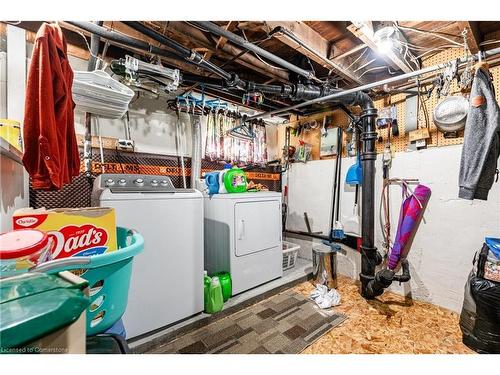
column 290, row 252
column 98, row 93
column 108, row 276
column 21, row 250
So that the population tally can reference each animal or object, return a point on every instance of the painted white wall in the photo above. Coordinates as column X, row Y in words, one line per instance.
column 153, row 127
column 443, row 248
column 13, row 178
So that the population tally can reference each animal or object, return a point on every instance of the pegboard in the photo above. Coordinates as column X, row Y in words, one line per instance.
column 399, row 143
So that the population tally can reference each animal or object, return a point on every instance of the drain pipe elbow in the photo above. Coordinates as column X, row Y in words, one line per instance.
column 384, row 278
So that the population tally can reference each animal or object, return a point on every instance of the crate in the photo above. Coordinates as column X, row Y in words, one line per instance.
column 290, row 252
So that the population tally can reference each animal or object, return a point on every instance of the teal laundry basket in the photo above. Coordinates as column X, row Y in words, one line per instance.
column 108, row 276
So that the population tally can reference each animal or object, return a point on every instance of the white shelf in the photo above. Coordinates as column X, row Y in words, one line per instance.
column 10, row 151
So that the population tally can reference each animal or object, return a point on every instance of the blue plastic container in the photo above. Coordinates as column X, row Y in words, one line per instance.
column 108, row 276
column 212, row 182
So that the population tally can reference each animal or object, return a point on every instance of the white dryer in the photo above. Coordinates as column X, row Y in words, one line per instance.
column 243, row 237
column 167, row 277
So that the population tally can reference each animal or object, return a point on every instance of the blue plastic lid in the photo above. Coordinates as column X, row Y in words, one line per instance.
column 227, row 166
column 494, row 245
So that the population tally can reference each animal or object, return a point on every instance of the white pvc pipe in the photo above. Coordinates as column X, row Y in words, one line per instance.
column 369, row 86
column 196, row 151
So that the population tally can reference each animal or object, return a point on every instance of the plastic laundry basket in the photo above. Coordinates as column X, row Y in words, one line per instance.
column 290, row 252
column 108, row 276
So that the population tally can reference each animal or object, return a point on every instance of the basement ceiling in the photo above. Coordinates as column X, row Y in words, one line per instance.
column 356, row 59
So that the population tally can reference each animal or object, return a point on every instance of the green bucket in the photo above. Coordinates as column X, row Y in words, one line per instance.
column 108, row 276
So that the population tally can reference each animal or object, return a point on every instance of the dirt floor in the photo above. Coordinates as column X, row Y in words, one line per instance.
column 388, row 324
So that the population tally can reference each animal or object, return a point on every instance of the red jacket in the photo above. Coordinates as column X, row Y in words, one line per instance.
column 51, row 154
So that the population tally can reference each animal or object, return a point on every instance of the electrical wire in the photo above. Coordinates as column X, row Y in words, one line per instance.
column 87, row 43
column 434, row 33
column 378, row 68
column 101, row 152
column 256, row 55
column 487, row 42
column 364, row 65
column 357, row 59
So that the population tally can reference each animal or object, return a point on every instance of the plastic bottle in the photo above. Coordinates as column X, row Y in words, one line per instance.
column 206, row 289
column 212, row 182
column 215, row 300
column 222, row 188
column 235, row 180
column 225, row 282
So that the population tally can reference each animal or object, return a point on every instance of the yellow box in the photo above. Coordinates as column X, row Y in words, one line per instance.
column 10, row 130
column 74, row 231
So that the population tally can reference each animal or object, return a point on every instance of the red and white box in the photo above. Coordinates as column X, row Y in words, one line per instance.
column 74, row 231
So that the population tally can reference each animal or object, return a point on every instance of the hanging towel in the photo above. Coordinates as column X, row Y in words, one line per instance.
column 51, row 154
column 478, row 164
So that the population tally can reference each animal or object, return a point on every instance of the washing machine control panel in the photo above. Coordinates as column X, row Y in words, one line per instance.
column 126, row 183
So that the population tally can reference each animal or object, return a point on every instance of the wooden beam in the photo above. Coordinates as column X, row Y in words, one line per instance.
column 474, row 37
column 314, row 41
column 122, row 28
column 183, row 32
column 365, row 31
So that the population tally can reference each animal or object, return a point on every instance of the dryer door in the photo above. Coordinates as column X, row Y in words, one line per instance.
column 257, row 226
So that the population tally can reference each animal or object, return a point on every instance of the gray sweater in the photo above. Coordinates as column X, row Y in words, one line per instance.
column 478, row 164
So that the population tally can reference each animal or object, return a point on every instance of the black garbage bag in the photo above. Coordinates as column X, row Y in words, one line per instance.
column 480, row 317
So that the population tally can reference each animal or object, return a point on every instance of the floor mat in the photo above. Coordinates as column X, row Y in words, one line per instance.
column 286, row 323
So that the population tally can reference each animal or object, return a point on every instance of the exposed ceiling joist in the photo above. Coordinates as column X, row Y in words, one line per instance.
column 119, row 27
column 473, row 36
column 364, row 30
column 183, row 31
column 315, row 42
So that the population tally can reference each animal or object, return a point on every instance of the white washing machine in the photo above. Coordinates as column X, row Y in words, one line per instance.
column 167, row 277
column 243, row 237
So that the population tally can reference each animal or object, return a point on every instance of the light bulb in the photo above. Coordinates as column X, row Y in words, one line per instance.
column 385, row 46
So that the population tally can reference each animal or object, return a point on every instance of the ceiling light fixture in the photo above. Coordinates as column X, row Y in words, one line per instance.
column 386, row 39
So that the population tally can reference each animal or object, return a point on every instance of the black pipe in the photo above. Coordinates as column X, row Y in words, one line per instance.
column 384, row 278
column 307, row 234
column 370, row 257
column 186, row 53
column 213, row 28
column 121, row 38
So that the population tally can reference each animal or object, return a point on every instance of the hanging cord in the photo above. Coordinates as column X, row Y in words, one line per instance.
column 101, row 151
column 180, row 143
column 384, row 209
